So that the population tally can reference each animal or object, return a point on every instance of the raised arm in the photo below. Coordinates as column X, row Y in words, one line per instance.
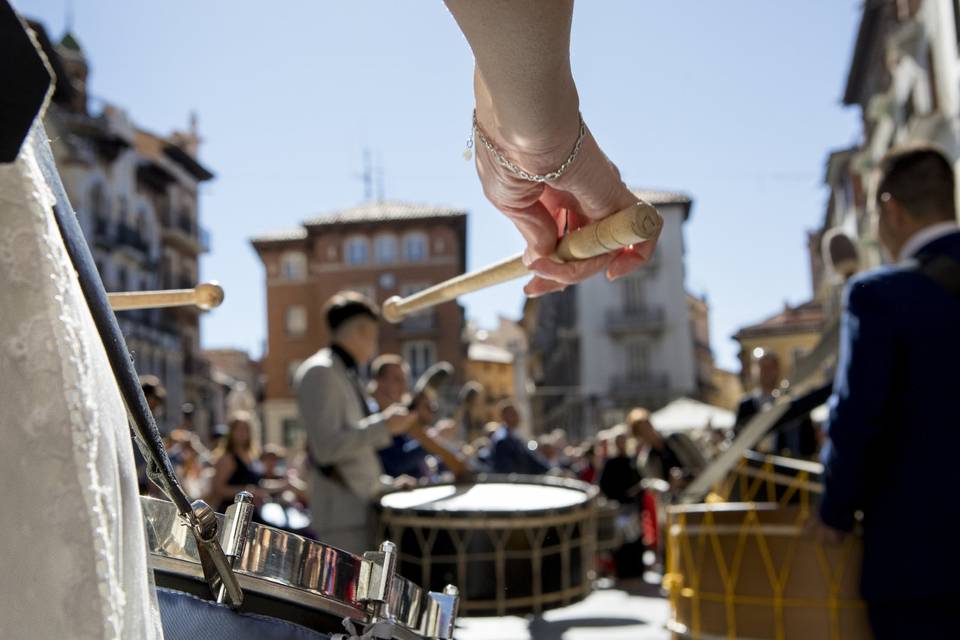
column 527, row 115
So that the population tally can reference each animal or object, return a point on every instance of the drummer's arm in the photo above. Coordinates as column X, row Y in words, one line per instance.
column 322, row 409
column 863, row 382
column 455, row 462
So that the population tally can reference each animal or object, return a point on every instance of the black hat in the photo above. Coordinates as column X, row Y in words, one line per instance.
column 348, row 304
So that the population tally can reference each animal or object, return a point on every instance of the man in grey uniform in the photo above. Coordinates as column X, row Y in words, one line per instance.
column 343, row 436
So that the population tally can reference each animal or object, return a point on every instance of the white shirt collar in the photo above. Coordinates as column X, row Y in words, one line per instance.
column 925, row 236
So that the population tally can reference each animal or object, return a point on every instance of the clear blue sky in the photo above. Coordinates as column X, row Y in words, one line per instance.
column 736, row 103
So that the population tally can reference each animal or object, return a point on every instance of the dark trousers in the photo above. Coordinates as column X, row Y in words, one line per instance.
column 929, row 618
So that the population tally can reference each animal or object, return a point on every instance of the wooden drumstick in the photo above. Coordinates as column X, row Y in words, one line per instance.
column 634, row 224
column 205, row 295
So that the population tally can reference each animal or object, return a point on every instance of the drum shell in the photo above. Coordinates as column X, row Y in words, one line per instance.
column 504, row 562
column 752, row 571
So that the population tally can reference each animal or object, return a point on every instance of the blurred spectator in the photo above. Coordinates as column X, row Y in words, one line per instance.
column 273, row 460
column 191, row 461
column 508, row 454
column 471, row 412
column 236, row 464
column 620, row 481
column 586, row 465
column 674, row 458
column 798, row 437
column 186, row 416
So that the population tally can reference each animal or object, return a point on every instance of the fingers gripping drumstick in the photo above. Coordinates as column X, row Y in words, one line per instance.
column 206, row 295
column 634, row 224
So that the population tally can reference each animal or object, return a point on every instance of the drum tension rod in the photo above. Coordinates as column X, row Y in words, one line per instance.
column 217, row 570
column 440, row 614
column 233, row 539
column 377, row 570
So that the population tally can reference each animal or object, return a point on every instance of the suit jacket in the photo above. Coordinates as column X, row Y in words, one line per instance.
column 798, row 436
column 509, row 455
column 894, row 429
column 340, row 436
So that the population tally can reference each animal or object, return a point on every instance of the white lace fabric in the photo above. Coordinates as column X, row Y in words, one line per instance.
column 73, row 560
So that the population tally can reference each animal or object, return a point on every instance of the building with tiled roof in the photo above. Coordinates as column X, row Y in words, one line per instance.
column 379, row 249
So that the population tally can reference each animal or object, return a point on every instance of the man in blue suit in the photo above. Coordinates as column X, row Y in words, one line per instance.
column 508, row 453
column 894, row 430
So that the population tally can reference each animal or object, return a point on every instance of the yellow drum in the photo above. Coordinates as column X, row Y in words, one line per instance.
column 750, row 571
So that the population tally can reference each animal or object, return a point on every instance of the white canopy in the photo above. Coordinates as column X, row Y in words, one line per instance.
column 687, row 414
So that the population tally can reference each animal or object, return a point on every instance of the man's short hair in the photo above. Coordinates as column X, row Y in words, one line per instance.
column 921, row 179
column 380, row 364
column 503, row 405
column 346, row 305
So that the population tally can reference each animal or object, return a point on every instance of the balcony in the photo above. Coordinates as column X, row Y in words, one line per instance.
column 632, row 320
column 640, row 385
column 130, row 238
column 185, row 235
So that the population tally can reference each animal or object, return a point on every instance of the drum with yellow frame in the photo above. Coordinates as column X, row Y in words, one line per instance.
column 750, row 570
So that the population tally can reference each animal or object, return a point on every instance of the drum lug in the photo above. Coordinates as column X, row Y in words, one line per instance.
column 440, row 613
column 233, row 538
column 377, row 570
column 216, row 568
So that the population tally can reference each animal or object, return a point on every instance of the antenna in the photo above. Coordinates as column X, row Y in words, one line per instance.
column 379, row 177
column 367, row 176
column 68, row 19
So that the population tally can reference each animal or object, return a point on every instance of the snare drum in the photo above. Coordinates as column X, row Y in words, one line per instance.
column 283, row 576
column 513, row 544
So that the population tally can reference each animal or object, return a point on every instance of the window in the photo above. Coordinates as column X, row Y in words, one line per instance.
column 637, row 357
column 295, row 320
column 385, row 248
column 415, row 247
column 292, row 367
column 357, row 250
column 419, row 354
column 293, row 265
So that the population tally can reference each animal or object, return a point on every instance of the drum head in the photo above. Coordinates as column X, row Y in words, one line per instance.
column 493, row 496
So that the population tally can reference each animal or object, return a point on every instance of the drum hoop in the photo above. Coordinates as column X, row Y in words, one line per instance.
column 263, row 586
column 401, row 518
column 772, row 530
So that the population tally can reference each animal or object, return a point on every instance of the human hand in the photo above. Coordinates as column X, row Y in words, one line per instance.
column 404, row 482
column 591, row 189
column 399, row 419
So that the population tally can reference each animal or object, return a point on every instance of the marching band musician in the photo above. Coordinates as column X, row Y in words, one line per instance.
column 343, row 434
column 892, row 432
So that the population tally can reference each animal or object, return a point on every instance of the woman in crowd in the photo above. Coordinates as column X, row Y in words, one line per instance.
column 237, row 465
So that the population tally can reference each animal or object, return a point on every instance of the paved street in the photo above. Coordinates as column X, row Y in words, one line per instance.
column 607, row 614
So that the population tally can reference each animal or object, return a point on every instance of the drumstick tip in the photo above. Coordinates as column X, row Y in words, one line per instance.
column 391, row 310
column 209, row 295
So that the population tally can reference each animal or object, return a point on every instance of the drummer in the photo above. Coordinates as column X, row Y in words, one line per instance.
column 416, row 452
column 343, row 433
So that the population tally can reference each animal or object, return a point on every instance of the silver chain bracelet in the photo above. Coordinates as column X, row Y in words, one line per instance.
column 515, row 169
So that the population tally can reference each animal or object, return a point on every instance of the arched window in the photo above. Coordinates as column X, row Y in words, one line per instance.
column 385, row 248
column 357, row 250
column 415, row 247
column 293, row 265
